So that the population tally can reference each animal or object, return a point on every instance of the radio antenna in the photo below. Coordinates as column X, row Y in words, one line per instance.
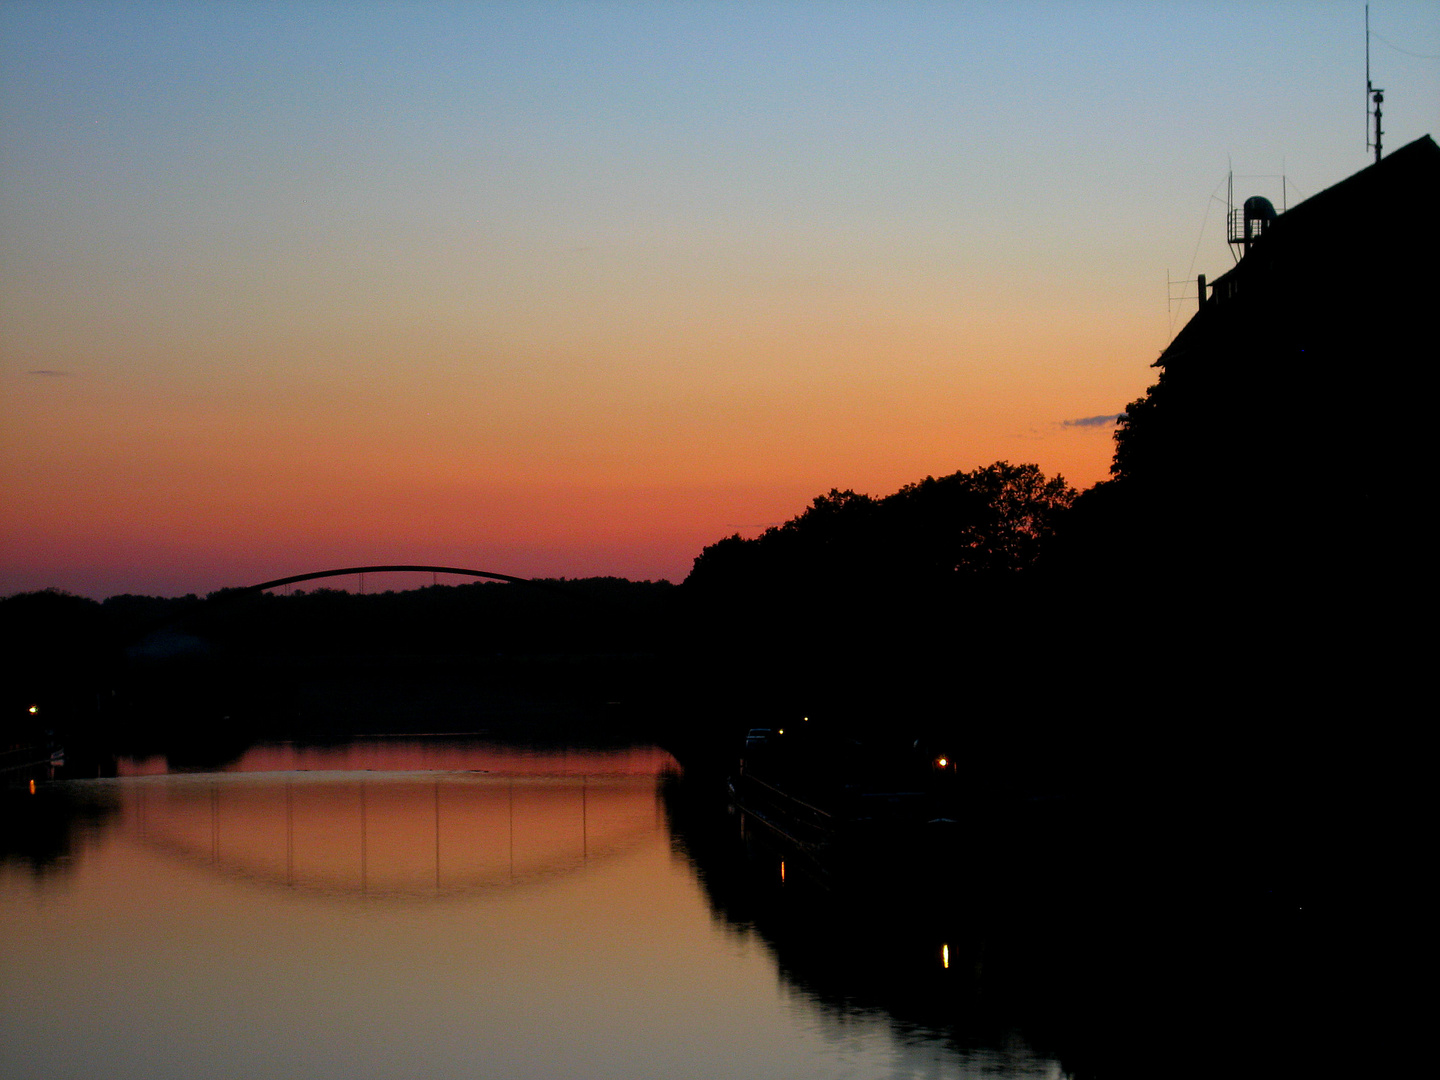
column 1373, row 94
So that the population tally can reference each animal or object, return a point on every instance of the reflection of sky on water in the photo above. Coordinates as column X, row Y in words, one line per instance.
column 390, row 833
column 260, row 922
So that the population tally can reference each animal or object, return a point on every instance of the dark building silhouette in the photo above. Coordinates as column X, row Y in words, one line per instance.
column 1284, row 445
column 1264, row 544
column 1309, row 347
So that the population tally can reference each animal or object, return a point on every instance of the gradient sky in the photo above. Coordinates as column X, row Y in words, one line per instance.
column 578, row 288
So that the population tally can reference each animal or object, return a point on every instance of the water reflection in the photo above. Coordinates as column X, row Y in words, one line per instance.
column 666, row 931
column 884, row 933
column 46, row 829
column 380, row 818
column 391, row 833
column 1047, row 946
column 407, row 820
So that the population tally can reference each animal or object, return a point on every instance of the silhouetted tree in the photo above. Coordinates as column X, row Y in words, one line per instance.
column 860, row 605
column 991, row 521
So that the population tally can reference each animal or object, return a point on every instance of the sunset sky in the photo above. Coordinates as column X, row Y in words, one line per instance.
column 578, row 288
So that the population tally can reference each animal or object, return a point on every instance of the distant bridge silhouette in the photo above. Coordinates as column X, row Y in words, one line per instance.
column 346, row 571
column 226, row 596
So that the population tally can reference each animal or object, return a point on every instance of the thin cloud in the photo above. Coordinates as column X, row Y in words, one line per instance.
column 1093, row 421
column 49, row 373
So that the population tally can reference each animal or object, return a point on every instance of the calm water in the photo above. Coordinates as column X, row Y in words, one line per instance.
column 435, row 908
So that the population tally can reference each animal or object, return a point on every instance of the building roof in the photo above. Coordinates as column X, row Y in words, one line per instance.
column 1381, row 218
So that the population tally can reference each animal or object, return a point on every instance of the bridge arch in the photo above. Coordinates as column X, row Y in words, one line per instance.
column 346, row 571
column 224, row 597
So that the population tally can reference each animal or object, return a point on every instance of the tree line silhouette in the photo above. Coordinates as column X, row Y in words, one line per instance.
column 236, row 665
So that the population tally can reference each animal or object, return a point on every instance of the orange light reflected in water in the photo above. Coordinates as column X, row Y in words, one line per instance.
column 493, row 817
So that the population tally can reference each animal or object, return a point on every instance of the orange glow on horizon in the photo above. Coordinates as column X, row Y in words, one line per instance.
column 622, row 452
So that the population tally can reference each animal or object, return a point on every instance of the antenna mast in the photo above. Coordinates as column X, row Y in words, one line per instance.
column 1373, row 93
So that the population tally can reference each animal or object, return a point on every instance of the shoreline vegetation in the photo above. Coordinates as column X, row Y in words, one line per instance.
column 741, row 638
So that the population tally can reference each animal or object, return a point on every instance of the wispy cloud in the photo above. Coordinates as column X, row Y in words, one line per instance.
column 1093, row 421
column 49, row 373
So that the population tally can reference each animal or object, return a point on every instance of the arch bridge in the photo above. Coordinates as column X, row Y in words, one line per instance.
column 347, row 571
column 225, row 596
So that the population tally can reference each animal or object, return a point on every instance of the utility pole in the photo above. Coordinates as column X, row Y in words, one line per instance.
column 1373, row 94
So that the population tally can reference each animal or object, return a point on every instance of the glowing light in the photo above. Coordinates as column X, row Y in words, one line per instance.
column 782, row 870
column 32, row 787
column 945, row 956
column 34, row 709
column 942, row 762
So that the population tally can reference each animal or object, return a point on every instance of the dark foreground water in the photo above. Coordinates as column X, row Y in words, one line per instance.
column 442, row 908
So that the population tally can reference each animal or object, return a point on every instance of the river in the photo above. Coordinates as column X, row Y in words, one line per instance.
column 427, row 908
column 454, row 907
